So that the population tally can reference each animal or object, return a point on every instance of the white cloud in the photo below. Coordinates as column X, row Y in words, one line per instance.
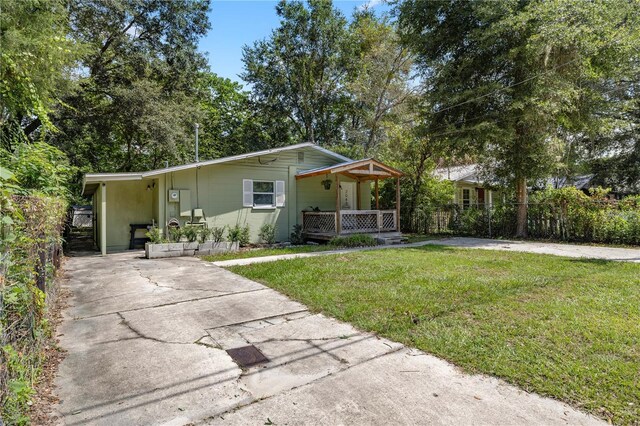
column 370, row 4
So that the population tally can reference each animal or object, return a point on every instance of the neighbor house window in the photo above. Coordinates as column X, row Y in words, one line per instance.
column 263, row 193
column 466, row 198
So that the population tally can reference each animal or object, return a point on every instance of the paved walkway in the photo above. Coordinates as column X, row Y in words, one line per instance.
column 568, row 250
column 147, row 341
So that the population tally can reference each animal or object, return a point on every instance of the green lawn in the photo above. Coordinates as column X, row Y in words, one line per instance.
column 566, row 328
column 260, row 252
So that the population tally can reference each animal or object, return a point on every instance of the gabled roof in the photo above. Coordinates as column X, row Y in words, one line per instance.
column 369, row 168
column 466, row 173
column 105, row 177
column 580, row 182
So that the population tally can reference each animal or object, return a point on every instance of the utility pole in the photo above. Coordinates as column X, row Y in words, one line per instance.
column 197, row 127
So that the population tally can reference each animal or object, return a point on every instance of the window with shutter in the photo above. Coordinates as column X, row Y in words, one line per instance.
column 280, row 196
column 247, row 193
column 263, row 193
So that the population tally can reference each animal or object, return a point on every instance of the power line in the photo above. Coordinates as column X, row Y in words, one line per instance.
column 516, row 83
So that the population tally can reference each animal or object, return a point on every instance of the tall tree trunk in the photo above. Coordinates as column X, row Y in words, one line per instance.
column 521, row 199
column 417, row 181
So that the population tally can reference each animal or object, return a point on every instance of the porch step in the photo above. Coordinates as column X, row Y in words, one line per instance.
column 390, row 238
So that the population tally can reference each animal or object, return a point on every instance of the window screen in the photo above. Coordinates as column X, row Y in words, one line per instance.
column 466, row 198
column 263, row 193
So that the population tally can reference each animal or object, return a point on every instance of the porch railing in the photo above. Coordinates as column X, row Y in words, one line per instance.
column 319, row 222
column 351, row 221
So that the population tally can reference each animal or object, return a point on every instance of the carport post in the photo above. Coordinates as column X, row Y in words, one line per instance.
column 103, row 218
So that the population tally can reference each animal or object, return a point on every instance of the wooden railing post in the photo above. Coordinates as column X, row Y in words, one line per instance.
column 338, row 223
column 398, row 204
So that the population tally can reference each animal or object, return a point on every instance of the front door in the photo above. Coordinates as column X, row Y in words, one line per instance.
column 480, row 192
column 348, row 196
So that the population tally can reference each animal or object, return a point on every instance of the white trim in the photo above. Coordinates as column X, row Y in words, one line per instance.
column 273, row 204
column 103, row 177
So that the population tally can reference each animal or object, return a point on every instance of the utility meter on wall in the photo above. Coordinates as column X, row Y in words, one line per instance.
column 174, row 195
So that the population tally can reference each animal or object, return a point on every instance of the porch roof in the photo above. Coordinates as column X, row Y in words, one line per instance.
column 366, row 169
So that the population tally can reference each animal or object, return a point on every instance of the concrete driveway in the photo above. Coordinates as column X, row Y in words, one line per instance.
column 147, row 341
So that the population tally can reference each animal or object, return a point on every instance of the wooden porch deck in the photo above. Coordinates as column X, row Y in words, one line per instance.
column 326, row 225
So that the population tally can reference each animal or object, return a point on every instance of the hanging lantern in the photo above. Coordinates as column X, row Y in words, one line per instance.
column 326, row 183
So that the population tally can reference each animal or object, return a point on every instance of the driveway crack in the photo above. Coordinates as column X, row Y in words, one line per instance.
column 157, row 284
column 141, row 335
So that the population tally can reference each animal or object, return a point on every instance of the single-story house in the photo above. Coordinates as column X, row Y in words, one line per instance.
column 469, row 188
column 304, row 184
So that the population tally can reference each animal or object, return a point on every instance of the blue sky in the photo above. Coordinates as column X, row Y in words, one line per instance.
column 238, row 22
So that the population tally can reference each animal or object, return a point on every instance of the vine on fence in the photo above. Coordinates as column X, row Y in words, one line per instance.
column 30, row 249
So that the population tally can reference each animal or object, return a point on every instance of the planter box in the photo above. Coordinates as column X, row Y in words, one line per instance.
column 154, row 251
column 191, row 246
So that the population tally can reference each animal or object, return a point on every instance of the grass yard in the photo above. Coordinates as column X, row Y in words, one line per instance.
column 565, row 328
column 260, row 252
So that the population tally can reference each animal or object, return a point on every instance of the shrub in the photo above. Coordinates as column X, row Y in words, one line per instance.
column 239, row 234
column 268, row 233
column 355, row 240
column 297, row 236
column 175, row 234
column 191, row 233
column 244, row 236
column 217, row 233
column 155, row 236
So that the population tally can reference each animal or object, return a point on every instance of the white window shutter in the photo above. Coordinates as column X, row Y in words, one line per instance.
column 280, row 193
column 247, row 193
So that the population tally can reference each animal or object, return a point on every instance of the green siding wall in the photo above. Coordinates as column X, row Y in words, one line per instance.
column 217, row 189
column 127, row 202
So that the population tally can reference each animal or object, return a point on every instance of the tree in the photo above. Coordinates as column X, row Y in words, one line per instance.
column 379, row 80
column 614, row 153
column 231, row 122
column 297, row 74
column 504, row 79
column 35, row 56
column 135, row 103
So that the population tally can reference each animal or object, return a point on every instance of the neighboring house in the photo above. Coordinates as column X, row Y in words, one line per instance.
column 583, row 183
column 469, row 189
column 325, row 192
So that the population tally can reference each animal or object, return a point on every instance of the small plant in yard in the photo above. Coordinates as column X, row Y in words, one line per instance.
column 268, row 233
column 191, row 233
column 175, row 234
column 244, row 236
column 155, row 236
column 355, row 240
column 239, row 234
column 297, row 236
column 217, row 233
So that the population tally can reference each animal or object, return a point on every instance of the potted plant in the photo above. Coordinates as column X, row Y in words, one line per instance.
column 326, row 183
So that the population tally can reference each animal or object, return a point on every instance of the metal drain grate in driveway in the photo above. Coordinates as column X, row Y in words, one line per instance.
column 247, row 356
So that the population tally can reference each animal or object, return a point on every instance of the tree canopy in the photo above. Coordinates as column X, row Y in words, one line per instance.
column 512, row 82
column 528, row 88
